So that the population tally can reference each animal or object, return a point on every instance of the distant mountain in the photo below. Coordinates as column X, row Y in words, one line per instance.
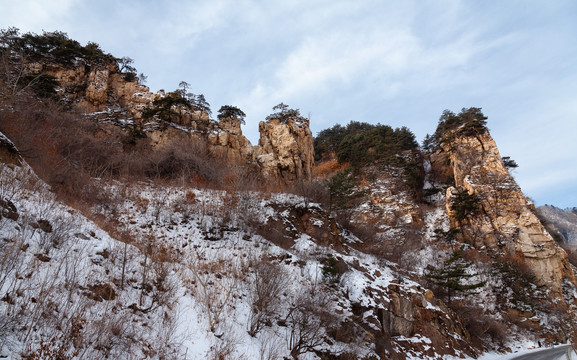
column 561, row 223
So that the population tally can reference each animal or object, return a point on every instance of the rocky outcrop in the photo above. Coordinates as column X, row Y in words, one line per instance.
column 229, row 142
column 285, row 150
column 505, row 221
column 388, row 201
column 96, row 88
column 418, row 314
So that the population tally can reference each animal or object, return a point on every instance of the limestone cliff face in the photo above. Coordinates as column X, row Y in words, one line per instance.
column 95, row 88
column 285, row 151
column 506, row 222
column 230, row 142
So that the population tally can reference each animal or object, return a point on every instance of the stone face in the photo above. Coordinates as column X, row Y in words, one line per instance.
column 285, row 151
column 231, row 124
column 97, row 90
column 419, row 313
column 506, row 222
column 402, row 316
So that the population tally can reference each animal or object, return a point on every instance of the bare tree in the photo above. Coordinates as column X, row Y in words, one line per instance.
column 269, row 281
column 308, row 318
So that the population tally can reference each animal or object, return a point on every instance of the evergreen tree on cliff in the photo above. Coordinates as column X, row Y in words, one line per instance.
column 453, row 274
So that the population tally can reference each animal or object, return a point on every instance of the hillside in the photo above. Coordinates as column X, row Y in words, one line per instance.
column 560, row 223
column 135, row 226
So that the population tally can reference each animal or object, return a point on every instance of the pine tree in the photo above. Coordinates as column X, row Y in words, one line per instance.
column 343, row 189
column 464, row 204
column 453, row 274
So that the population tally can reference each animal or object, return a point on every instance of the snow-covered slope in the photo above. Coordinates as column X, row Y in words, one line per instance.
column 191, row 273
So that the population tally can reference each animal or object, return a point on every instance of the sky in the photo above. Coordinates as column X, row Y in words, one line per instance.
column 398, row 63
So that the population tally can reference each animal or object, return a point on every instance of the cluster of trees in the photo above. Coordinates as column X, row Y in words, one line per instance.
column 362, row 143
column 170, row 108
column 52, row 47
column 167, row 107
column 229, row 111
column 359, row 144
column 469, row 122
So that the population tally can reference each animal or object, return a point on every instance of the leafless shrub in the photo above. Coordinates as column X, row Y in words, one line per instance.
column 11, row 263
column 10, row 259
column 248, row 211
column 40, row 306
column 486, row 331
column 15, row 180
column 164, row 285
column 185, row 158
column 308, row 317
column 224, row 346
column 111, row 334
column 186, row 205
column 163, row 344
column 243, row 178
column 215, row 282
column 269, row 280
column 55, row 233
column 270, row 348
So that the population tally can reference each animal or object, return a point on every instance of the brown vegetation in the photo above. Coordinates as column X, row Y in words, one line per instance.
column 69, row 151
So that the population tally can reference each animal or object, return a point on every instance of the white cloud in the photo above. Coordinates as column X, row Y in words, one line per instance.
column 34, row 15
column 384, row 60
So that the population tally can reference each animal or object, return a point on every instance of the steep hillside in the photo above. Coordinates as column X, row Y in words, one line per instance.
column 135, row 226
column 203, row 273
column 469, row 211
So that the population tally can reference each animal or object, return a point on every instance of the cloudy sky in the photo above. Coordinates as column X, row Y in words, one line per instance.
column 399, row 63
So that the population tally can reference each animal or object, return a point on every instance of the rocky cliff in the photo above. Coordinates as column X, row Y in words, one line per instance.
column 505, row 221
column 284, row 154
column 285, row 150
